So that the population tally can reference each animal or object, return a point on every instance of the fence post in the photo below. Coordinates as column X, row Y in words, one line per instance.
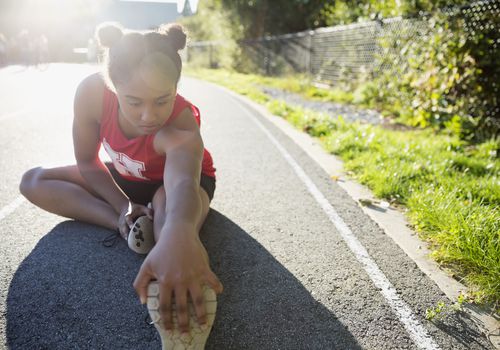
column 210, row 56
column 267, row 58
column 309, row 52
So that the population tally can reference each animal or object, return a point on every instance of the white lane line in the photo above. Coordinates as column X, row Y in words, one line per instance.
column 9, row 208
column 14, row 114
column 417, row 332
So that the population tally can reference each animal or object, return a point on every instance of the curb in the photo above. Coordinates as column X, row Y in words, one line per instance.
column 391, row 220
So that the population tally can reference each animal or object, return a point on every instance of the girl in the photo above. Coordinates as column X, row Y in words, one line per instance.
column 152, row 136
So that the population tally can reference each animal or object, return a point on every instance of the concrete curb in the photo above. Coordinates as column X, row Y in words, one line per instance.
column 391, row 220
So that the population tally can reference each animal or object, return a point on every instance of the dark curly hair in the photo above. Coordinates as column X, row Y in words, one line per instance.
column 129, row 51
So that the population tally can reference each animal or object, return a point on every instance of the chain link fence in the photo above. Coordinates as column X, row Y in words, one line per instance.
column 351, row 52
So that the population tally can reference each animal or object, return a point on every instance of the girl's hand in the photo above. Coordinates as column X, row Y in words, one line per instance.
column 179, row 263
column 129, row 214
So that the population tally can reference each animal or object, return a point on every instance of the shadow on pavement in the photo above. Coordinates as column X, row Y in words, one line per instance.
column 72, row 292
column 458, row 326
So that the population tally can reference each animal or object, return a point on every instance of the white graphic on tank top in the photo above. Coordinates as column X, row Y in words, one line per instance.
column 124, row 164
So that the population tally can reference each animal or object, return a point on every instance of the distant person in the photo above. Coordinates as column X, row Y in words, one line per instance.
column 25, row 47
column 91, row 50
column 3, row 50
column 152, row 135
column 42, row 49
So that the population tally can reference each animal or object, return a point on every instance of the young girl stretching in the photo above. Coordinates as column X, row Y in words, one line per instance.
column 152, row 135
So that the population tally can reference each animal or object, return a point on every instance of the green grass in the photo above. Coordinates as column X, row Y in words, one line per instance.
column 450, row 190
column 298, row 84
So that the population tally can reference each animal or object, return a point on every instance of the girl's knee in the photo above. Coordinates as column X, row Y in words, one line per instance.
column 29, row 181
column 159, row 199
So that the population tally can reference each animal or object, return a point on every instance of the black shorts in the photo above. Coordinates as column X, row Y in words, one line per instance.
column 143, row 192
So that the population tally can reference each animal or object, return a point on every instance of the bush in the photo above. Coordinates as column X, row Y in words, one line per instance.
column 446, row 79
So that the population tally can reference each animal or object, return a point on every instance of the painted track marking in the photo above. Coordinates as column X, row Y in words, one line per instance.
column 9, row 208
column 417, row 332
column 14, row 114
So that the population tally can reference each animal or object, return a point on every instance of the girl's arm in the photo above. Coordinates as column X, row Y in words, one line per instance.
column 87, row 114
column 184, row 148
column 179, row 261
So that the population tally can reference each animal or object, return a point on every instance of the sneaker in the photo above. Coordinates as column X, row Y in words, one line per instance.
column 141, row 238
column 197, row 336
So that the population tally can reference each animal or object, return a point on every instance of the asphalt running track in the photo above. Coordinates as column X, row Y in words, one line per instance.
column 302, row 266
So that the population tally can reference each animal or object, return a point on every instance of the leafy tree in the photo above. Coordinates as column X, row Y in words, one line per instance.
column 269, row 17
column 447, row 77
column 211, row 24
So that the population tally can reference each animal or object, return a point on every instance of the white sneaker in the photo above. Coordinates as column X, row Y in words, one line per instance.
column 141, row 238
column 197, row 337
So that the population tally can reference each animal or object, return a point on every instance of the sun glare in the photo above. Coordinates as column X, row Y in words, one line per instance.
column 51, row 15
column 41, row 30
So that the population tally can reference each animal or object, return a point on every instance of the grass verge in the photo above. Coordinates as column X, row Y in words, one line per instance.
column 450, row 190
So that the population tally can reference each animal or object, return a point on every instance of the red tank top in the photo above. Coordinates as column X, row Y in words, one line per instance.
column 135, row 159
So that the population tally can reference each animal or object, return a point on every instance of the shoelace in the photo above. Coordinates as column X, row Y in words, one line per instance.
column 111, row 240
column 148, row 320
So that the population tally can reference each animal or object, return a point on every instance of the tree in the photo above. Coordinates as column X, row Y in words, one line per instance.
column 186, row 11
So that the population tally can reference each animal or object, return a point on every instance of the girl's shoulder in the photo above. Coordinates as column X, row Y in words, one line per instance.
column 183, row 129
column 89, row 96
column 181, row 104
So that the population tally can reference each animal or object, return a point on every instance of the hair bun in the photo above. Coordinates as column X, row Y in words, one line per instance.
column 176, row 34
column 109, row 33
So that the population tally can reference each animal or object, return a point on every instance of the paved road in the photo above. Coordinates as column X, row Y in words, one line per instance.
column 296, row 276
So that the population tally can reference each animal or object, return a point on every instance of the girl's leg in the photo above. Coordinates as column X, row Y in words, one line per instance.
column 63, row 191
column 198, row 336
column 159, row 203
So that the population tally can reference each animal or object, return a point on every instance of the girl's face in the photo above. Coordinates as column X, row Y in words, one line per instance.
column 146, row 102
